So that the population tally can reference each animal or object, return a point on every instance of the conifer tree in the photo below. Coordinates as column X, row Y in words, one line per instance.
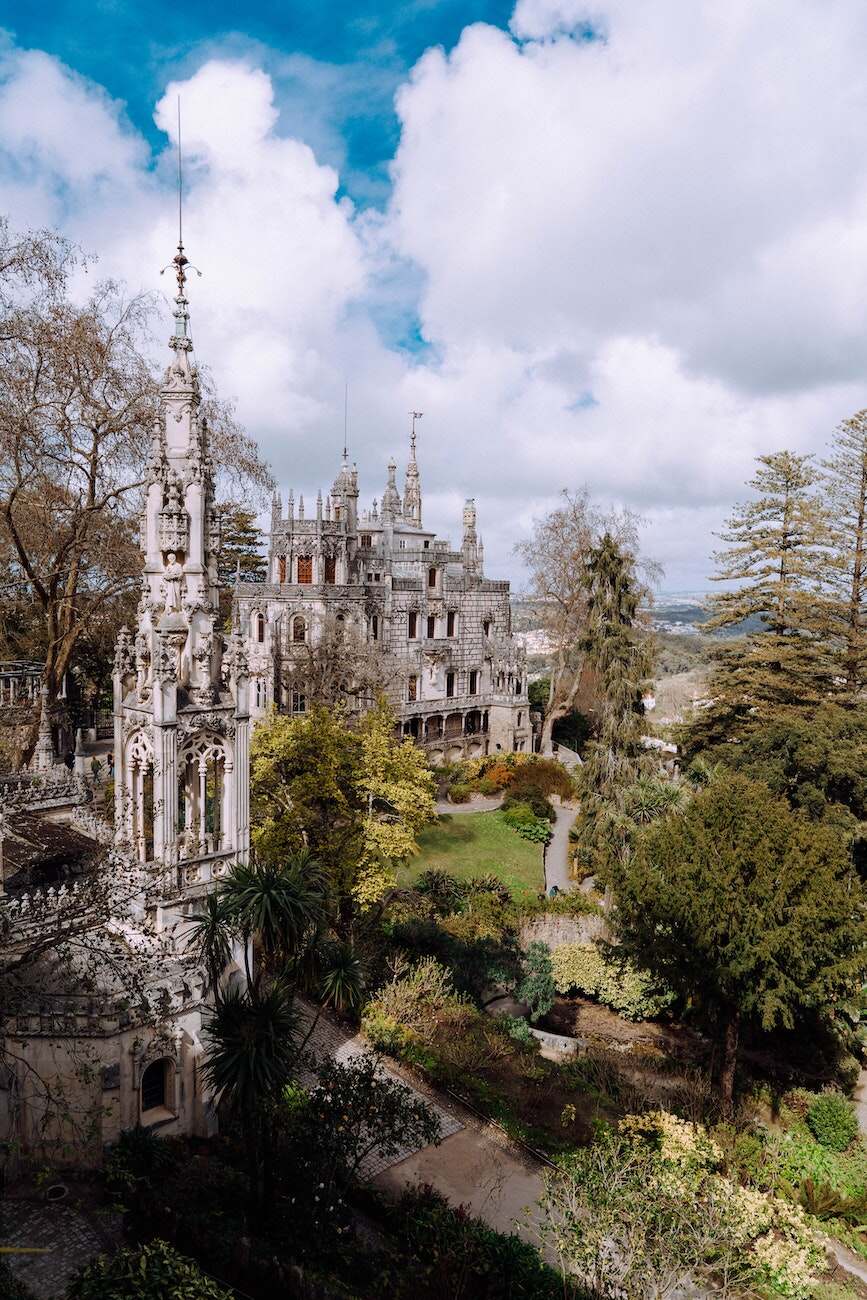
column 845, row 481
column 617, row 649
column 778, row 554
column 241, row 546
column 752, row 913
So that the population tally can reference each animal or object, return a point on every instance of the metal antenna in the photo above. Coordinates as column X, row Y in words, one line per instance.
column 346, row 420
column 180, row 261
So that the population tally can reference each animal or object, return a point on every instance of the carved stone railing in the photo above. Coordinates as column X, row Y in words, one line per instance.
column 34, row 791
column 89, row 822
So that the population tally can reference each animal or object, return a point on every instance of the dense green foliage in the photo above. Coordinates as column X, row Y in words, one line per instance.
column 448, row 1252
column 584, row 968
column 746, row 908
column 536, row 988
column 152, row 1272
column 832, row 1120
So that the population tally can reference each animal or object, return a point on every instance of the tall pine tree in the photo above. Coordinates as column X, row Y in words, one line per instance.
column 778, row 554
column 845, row 481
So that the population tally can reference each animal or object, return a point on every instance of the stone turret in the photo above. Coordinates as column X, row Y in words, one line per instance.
column 471, row 546
column 412, row 488
column 390, row 510
column 181, row 706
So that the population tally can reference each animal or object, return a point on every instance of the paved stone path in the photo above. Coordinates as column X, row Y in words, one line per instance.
column 557, row 853
column 329, row 1039
column 67, row 1235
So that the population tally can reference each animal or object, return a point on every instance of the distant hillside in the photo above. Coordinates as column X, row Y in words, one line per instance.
column 683, row 614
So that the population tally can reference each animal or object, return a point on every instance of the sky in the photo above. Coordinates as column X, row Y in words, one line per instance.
column 618, row 243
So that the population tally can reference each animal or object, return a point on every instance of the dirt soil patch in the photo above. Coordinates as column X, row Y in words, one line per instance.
column 581, row 1018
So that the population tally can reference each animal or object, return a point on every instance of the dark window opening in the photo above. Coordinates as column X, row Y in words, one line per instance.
column 431, row 625
column 365, row 539
column 474, row 681
column 431, row 577
column 260, row 628
column 412, row 689
column 450, row 623
column 330, row 569
column 450, row 685
column 153, row 1086
column 486, row 627
column 374, row 627
column 281, row 568
column 412, row 625
column 299, row 629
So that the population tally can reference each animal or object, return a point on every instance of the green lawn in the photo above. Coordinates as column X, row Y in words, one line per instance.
column 475, row 844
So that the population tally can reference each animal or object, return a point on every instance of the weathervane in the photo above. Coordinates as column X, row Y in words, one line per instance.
column 416, row 415
column 180, row 261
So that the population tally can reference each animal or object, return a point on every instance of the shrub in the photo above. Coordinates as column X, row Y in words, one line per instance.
column 537, row 986
column 447, row 1252
column 487, row 786
column 519, row 1030
column 832, row 1120
column 384, row 1032
column 152, row 1272
column 521, row 818
column 459, row 793
column 582, row 968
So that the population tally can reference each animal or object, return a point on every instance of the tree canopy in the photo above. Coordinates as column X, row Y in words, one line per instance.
column 747, row 909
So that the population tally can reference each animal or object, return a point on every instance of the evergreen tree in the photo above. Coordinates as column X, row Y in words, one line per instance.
column 618, row 651
column 845, row 481
column 241, row 546
column 747, row 909
column 778, row 553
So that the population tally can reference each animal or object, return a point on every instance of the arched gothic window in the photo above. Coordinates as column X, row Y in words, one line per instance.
column 299, row 629
column 140, row 790
column 202, row 791
column 154, row 1085
column 260, row 628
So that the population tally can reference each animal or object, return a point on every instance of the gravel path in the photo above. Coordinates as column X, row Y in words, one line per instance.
column 475, row 804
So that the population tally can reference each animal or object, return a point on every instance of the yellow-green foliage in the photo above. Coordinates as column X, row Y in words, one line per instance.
column 582, row 968
column 650, row 1200
column 398, row 792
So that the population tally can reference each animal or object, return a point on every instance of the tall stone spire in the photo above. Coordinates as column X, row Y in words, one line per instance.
column 391, row 497
column 471, row 545
column 412, row 484
column 181, row 703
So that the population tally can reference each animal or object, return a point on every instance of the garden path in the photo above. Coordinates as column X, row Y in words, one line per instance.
column 67, row 1237
column 475, row 804
column 557, row 852
column 859, row 1096
column 328, row 1039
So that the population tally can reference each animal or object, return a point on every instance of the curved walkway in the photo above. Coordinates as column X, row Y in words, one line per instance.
column 475, row 804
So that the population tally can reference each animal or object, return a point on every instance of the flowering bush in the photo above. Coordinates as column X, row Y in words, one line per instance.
column 645, row 1210
column 582, row 968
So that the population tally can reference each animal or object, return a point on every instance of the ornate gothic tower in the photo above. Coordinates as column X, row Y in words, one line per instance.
column 180, row 691
column 412, row 485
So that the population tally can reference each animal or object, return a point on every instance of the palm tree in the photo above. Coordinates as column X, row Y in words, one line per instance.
column 252, row 1051
column 341, row 980
column 209, row 939
column 281, row 908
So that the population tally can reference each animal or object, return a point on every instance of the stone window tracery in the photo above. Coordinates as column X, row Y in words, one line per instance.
column 305, row 568
column 299, row 629
column 202, row 793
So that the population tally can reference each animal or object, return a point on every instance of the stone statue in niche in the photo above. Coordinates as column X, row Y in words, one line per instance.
column 172, row 577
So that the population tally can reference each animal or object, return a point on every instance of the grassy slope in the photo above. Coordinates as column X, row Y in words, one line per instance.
column 474, row 844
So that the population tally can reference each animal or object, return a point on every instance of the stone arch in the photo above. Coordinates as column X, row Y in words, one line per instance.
column 140, row 793
column 204, row 788
column 299, row 629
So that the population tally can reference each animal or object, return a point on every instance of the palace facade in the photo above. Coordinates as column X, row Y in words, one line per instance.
column 456, row 678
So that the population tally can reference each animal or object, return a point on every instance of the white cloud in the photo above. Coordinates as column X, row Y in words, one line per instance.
column 640, row 260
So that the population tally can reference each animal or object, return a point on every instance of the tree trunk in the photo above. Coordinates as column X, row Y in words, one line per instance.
column 729, row 1063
